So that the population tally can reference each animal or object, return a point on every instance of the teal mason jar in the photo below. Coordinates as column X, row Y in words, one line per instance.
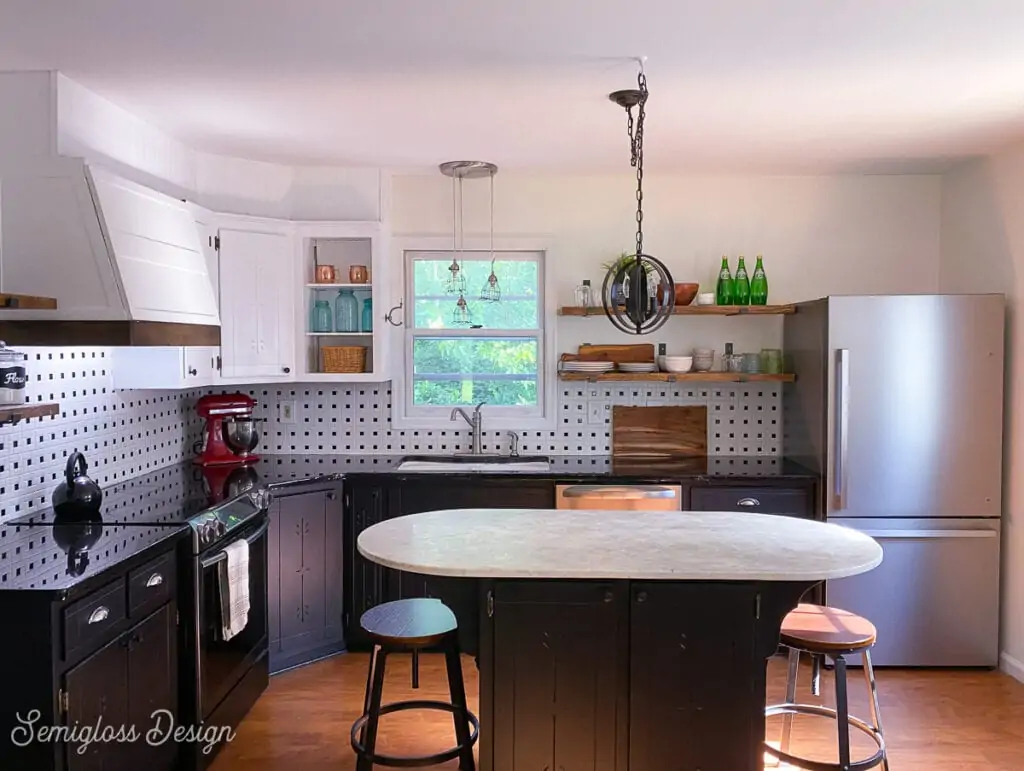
column 346, row 312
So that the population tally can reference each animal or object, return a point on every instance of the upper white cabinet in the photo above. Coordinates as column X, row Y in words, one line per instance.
column 165, row 367
column 257, row 289
column 343, row 317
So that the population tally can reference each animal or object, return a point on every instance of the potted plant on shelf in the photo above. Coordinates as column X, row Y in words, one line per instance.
column 621, row 262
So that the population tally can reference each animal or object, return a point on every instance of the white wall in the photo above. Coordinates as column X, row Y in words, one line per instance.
column 818, row 235
column 983, row 251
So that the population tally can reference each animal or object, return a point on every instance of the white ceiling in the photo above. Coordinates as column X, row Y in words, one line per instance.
column 779, row 85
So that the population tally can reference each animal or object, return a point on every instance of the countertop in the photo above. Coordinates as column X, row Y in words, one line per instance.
column 279, row 470
column 658, row 546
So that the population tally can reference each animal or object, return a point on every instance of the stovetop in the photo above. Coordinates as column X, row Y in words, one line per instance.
column 40, row 551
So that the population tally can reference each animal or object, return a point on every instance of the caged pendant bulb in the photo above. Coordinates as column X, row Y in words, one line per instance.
column 491, row 291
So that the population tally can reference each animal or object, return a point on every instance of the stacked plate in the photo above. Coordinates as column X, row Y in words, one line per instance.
column 637, row 367
column 589, row 367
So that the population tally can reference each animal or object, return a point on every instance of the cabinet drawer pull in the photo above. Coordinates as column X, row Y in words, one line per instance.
column 100, row 614
column 748, row 502
column 154, row 580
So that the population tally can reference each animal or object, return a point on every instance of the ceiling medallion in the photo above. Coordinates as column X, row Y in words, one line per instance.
column 638, row 294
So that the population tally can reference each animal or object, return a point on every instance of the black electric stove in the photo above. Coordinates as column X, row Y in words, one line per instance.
column 41, row 551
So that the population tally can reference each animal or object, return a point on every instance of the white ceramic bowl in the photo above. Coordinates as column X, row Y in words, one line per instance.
column 706, row 298
column 676, row 363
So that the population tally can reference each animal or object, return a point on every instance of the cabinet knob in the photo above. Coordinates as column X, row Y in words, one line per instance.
column 331, row 496
column 286, row 370
column 193, row 371
column 608, row 597
column 641, row 596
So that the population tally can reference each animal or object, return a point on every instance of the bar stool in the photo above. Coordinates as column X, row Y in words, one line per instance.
column 409, row 626
column 822, row 631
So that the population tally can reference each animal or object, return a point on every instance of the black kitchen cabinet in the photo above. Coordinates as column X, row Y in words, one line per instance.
column 675, row 630
column 126, row 683
column 97, row 690
column 793, row 501
column 559, row 660
column 304, row 578
column 364, row 580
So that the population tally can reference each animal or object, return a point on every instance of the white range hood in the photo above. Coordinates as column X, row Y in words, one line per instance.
column 124, row 262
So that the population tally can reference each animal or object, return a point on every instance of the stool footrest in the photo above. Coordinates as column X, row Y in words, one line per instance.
column 396, row 761
column 817, row 765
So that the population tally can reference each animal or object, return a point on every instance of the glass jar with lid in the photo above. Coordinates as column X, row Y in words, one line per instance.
column 13, row 375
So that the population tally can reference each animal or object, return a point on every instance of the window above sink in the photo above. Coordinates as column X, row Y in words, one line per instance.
column 501, row 355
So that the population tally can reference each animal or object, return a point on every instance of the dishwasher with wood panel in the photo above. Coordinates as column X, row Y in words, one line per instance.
column 619, row 497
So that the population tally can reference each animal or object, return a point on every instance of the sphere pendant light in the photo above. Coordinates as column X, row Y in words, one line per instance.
column 638, row 294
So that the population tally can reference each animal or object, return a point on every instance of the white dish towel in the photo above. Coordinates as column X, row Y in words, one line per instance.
column 234, row 588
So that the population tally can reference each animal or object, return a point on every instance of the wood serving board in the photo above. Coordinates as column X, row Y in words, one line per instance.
column 659, row 432
column 615, row 353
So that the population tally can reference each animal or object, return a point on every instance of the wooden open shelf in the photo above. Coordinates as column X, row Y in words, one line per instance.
column 14, row 413
column 680, row 377
column 697, row 310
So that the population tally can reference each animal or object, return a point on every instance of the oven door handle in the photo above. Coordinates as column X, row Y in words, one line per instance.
column 222, row 555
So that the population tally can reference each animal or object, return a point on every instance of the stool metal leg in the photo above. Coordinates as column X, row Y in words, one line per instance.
column 369, row 689
column 842, row 714
column 373, row 710
column 789, row 717
column 815, row 674
column 876, row 715
column 415, row 669
column 457, row 693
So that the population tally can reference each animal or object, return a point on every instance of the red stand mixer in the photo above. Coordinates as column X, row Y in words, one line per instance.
column 230, row 434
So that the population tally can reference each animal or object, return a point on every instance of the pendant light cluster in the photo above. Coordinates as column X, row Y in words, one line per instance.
column 638, row 294
column 462, row 315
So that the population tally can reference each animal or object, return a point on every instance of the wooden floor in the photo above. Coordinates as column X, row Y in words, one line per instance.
column 934, row 720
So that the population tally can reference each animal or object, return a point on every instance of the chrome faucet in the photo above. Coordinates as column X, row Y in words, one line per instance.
column 475, row 422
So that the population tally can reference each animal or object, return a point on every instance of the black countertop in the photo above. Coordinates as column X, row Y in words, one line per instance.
column 283, row 470
column 144, row 512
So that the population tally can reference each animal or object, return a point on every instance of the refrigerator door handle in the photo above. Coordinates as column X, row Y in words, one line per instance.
column 926, row 534
column 842, row 419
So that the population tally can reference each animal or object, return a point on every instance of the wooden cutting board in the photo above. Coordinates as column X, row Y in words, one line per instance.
column 659, row 432
column 616, row 353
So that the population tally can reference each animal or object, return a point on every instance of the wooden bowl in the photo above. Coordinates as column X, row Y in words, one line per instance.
column 685, row 293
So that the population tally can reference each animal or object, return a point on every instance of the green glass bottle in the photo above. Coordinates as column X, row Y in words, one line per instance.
column 741, row 284
column 759, row 285
column 723, row 290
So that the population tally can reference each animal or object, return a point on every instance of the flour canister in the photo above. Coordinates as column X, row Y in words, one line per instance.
column 12, row 376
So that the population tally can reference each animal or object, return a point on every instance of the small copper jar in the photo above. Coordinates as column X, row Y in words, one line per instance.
column 325, row 274
column 357, row 274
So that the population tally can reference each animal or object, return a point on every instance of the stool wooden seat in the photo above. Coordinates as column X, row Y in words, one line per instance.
column 410, row 626
column 819, row 629
column 414, row 623
column 822, row 631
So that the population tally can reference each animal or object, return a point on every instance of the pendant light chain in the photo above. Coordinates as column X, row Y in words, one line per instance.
column 638, row 161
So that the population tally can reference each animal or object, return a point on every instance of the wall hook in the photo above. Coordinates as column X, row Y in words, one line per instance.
column 389, row 316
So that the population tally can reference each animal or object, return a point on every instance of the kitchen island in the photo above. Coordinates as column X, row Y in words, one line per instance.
column 622, row 641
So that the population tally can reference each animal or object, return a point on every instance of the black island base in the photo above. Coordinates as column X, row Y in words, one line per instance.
column 623, row 675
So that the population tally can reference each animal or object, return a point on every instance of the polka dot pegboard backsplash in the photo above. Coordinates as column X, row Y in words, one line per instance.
column 122, row 433
column 126, row 433
column 743, row 419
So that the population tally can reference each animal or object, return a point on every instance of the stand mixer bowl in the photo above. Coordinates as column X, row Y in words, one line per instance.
column 240, row 435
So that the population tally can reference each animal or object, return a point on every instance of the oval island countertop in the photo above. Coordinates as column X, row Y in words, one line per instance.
column 657, row 546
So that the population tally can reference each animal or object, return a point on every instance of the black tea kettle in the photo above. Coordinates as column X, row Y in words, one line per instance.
column 78, row 496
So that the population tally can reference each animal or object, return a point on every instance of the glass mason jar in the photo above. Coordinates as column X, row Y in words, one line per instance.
column 367, row 322
column 346, row 312
column 322, row 317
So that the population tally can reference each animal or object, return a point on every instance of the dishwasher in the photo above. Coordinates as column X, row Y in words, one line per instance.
column 619, row 497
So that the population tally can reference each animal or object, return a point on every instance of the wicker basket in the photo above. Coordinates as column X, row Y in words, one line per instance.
column 343, row 358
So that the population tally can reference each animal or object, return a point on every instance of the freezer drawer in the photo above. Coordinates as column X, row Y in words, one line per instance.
column 934, row 598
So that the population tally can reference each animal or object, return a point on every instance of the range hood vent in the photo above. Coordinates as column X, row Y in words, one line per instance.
column 123, row 262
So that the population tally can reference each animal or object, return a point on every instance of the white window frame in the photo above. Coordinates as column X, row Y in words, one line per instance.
column 543, row 416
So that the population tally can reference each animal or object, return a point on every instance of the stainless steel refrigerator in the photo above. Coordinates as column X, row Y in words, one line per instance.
column 898, row 402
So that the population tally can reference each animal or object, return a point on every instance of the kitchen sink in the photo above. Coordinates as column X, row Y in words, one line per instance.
column 466, row 462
